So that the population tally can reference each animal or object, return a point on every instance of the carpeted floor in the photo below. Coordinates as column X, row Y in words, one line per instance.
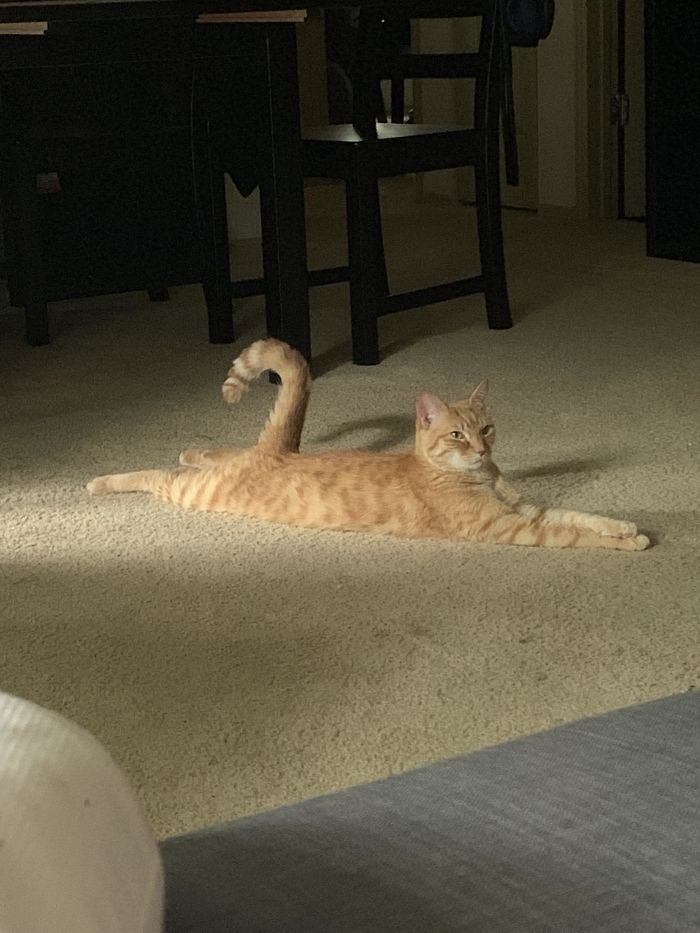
column 231, row 666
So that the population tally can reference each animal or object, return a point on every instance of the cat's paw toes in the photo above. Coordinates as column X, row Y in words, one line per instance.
column 189, row 457
column 98, row 486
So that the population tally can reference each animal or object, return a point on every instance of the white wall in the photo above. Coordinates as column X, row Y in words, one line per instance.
column 556, row 108
column 558, row 64
column 243, row 214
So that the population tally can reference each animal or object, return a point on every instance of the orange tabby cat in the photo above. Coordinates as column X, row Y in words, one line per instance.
column 448, row 487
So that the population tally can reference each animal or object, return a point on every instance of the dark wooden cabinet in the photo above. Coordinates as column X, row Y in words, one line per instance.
column 672, row 31
column 112, row 179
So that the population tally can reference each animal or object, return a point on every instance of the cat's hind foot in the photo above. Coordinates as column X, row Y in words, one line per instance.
column 138, row 481
column 194, row 457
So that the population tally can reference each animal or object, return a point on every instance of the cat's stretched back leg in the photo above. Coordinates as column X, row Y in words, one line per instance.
column 157, row 482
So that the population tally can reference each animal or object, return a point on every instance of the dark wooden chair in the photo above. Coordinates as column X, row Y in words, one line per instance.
column 364, row 151
column 401, row 63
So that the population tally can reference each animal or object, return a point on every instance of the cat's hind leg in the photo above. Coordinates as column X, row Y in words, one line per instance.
column 153, row 481
column 193, row 457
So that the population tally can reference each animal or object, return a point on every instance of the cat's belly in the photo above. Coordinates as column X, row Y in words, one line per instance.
column 308, row 499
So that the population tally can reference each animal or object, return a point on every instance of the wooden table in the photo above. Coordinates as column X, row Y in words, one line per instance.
column 281, row 181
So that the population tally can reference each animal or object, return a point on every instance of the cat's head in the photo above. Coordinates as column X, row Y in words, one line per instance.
column 458, row 436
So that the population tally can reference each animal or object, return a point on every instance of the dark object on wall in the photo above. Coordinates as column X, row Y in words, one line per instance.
column 673, row 129
column 528, row 21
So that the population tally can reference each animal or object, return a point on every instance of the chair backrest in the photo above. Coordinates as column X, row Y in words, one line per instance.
column 384, row 53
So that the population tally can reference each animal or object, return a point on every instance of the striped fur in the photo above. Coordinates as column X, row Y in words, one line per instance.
column 448, row 487
column 282, row 433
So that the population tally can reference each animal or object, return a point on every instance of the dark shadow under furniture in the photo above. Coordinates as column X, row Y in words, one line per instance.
column 588, row 828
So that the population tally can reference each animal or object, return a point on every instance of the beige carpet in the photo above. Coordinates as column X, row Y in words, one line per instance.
column 231, row 666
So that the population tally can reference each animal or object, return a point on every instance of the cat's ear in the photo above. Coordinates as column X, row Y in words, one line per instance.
column 429, row 408
column 478, row 396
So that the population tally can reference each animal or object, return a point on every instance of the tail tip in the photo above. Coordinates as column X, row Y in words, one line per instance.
column 231, row 390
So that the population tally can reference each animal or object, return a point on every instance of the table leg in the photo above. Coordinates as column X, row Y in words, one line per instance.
column 282, row 191
column 31, row 286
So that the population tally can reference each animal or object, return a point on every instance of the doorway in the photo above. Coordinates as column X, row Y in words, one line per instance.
column 616, row 109
column 631, row 175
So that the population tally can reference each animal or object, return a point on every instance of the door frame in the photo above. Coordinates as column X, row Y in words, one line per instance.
column 602, row 144
column 596, row 80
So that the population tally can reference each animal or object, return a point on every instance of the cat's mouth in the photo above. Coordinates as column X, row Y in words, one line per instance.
column 463, row 464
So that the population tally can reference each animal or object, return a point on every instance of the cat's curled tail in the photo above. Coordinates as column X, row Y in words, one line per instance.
column 282, row 432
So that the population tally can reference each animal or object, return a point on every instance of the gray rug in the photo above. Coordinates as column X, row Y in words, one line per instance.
column 590, row 828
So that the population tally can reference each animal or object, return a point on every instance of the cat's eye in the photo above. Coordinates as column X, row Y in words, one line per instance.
column 458, row 436
column 487, row 430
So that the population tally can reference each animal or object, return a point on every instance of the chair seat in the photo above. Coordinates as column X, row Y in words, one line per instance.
column 347, row 134
column 399, row 149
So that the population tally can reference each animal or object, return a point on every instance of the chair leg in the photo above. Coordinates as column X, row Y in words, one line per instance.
column 367, row 267
column 281, row 189
column 31, row 286
column 488, row 213
column 382, row 274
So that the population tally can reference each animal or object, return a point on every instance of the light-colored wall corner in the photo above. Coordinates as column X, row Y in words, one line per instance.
column 557, row 123
column 561, row 107
column 243, row 214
